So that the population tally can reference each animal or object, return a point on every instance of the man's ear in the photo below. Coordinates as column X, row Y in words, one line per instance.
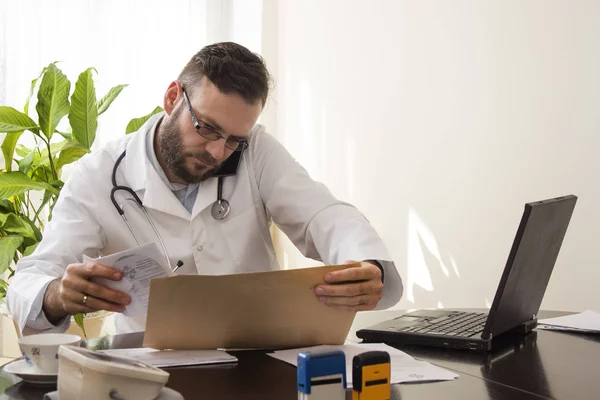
column 173, row 95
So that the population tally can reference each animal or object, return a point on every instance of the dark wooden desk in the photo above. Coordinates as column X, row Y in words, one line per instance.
column 542, row 365
column 549, row 364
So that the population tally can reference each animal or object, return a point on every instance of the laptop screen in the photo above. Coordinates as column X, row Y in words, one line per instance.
column 530, row 264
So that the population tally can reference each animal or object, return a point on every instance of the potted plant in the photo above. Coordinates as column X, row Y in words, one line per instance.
column 31, row 179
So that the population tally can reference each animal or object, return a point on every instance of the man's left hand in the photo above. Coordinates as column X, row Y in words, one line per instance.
column 352, row 289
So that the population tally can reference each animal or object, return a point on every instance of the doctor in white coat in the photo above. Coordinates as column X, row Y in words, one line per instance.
column 172, row 164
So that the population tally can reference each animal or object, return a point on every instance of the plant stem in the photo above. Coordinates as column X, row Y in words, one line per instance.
column 51, row 206
column 27, row 204
column 51, row 161
column 36, row 215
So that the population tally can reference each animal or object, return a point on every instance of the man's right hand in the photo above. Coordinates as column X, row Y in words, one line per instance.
column 75, row 293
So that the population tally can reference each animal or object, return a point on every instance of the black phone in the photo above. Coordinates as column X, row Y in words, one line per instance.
column 230, row 166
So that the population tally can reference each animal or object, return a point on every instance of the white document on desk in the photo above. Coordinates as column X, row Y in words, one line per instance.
column 404, row 368
column 587, row 321
column 139, row 266
column 174, row 358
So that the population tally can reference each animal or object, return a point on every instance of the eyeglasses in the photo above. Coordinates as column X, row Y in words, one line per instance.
column 208, row 132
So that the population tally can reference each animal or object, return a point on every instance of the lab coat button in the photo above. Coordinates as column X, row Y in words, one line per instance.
column 199, row 248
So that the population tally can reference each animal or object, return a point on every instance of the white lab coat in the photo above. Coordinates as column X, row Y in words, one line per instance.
column 269, row 186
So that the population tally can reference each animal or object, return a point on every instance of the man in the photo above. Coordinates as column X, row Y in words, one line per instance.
column 208, row 129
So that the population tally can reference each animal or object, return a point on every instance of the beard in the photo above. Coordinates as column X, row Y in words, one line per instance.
column 171, row 148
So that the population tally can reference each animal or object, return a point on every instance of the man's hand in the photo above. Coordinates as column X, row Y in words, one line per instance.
column 353, row 289
column 75, row 293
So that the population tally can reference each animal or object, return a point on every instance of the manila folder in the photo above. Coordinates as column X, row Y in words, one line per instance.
column 267, row 310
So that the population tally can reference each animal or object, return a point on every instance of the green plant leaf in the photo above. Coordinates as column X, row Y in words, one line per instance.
column 26, row 162
column 37, row 234
column 33, row 85
column 66, row 135
column 84, row 111
column 6, row 206
column 4, row 217
column 8, row 246
column 8, row 148
column 21, row 150
column 55, row 148
column 137, row 123
column 58, row 185
column 79, row 321
column 3, row 290
column 70, row 155
column 30, row 249
column 53, row 99
column 12, row 120
column 17, row 225
column 42, row 173
column 16, row 183
column 47, row 197
column 106, row 101
column 60, row 146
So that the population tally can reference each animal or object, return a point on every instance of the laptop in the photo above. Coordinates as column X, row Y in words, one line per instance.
column 518, row 297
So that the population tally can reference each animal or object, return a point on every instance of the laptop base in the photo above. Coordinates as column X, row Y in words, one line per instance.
column 411, row 329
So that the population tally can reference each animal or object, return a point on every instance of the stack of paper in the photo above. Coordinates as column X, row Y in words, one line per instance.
column 404, row 368
column 587, row 321
column 174, row 358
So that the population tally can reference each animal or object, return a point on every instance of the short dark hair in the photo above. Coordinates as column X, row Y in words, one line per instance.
column 232, row 68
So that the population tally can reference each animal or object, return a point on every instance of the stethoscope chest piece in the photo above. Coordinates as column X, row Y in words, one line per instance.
column 220, row 209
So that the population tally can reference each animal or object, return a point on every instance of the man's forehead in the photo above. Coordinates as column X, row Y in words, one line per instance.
column 228, row 113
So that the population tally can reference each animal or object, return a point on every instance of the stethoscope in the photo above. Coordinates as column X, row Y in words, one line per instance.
column 219, row 210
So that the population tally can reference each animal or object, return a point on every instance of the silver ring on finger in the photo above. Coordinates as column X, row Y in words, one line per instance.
column 85, row 299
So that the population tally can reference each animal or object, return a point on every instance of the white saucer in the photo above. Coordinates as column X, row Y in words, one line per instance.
column 165, row 394
column 29, row 374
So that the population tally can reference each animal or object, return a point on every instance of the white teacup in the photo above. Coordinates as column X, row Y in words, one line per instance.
column 41, row 351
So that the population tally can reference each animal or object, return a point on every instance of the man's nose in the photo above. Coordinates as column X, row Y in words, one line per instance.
column 217, row 149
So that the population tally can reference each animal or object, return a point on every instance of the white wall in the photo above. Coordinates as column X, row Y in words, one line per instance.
column 439, row 120
column 143, row 44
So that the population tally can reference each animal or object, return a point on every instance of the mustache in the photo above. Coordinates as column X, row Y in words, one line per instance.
column 205, row 157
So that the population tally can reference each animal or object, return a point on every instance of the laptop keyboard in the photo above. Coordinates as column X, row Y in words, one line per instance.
column 461, row 324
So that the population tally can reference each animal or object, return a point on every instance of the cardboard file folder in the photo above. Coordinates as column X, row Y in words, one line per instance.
column 275, row 309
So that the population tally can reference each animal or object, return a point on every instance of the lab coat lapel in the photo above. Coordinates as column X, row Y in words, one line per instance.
column 207, row 195
column 136, row 162
column 144, row 180
column 159, row 197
